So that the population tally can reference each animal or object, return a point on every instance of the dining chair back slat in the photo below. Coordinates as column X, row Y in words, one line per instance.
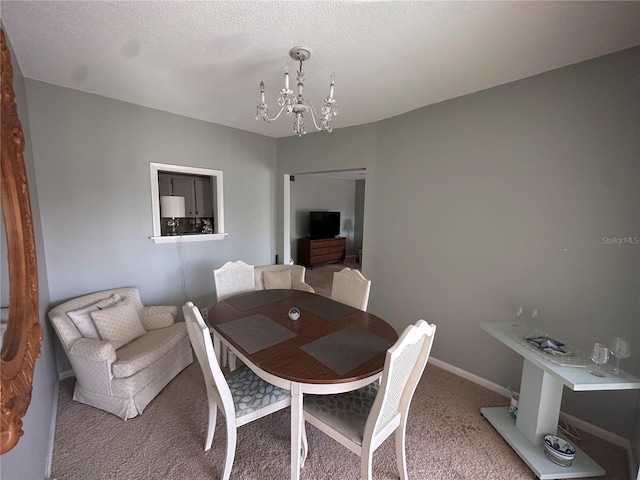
column 363, row 419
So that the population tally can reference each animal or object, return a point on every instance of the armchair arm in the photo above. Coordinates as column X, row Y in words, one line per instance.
column 92, row 349
column 91, row 360
column 302, row 286
column 156, row 317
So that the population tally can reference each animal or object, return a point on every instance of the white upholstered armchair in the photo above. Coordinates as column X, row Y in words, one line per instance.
column 122, row 353
column 281, row 276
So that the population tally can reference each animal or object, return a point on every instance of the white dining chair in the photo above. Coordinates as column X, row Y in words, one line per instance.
column 242, row 396
column 362, row 419
column 232, row 279
column 351, row 288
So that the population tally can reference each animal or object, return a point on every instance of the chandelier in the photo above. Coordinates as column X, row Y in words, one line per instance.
column 296, row 104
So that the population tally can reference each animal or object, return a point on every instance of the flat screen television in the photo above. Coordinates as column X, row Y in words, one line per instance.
column 324, row 225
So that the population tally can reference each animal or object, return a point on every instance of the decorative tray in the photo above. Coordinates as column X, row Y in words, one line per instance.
column 549, row 345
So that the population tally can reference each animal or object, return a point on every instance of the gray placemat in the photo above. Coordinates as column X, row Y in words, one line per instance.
column 256, row 332
column 347, row 349
column 325, row 307
column 256, row 299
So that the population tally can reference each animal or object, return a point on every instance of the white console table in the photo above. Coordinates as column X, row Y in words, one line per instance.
column 539, row 408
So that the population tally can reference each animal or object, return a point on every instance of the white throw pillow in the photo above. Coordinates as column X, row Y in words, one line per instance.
column 119, row 324
column 81, row 318
column 276, row 279
column 157, row 316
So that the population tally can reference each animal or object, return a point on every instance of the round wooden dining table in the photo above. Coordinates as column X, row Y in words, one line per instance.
column 331, row 348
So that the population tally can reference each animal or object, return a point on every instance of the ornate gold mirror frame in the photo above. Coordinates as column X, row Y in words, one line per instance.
column 21, row 340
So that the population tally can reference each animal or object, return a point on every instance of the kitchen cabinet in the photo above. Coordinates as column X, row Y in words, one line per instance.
column 195, row 189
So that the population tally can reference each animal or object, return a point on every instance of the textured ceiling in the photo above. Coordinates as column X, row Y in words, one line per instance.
column 206, row 59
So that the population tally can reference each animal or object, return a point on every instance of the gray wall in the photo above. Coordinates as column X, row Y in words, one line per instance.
column 323, row 194
column 92, row 159
column 345, row 149
column 502, row 198
column 30, row 458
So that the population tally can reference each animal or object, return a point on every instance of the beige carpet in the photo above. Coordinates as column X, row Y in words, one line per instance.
column 447, row 438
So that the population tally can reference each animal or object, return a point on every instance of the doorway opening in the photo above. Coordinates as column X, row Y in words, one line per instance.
column 331, row 191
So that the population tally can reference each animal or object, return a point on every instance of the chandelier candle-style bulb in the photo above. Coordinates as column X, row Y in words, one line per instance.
column 298, row 105
column 332, row 79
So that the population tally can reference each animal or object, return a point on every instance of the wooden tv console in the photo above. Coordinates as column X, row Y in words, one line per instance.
column 325, row 250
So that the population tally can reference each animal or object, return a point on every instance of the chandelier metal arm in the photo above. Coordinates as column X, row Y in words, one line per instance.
column 298, row 105
column 265, row 117
column 314, row 113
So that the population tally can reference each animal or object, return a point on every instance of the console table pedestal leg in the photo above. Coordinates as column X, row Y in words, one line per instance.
column 540, row 399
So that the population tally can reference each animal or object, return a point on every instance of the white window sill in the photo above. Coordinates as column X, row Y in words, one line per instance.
column 205, row 237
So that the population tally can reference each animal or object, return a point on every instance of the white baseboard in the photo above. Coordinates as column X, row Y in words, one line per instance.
column 52, row 436
column 65, row 374
column 494, row 387
column 607, row 436
column 577, row 422
column 598, row 432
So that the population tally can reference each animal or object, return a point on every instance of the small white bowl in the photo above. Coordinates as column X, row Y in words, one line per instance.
column 557, row 460
column 559, row 447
